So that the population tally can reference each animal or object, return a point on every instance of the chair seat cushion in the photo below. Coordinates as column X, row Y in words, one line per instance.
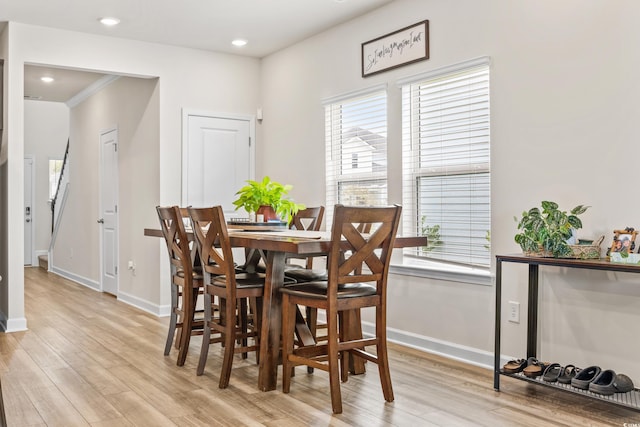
column 301, row 274
column 243, row 280
column 287, row 279
column 319, row 290
column 248, row 280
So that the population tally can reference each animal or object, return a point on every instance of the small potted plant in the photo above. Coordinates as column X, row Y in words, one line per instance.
column 545, row 233
column 268, row 198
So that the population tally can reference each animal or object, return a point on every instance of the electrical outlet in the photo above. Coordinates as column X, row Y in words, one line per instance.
column 514, row 312
column 131, row 265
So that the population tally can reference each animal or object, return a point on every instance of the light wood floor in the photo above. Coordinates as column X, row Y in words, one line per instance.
column 88, row 359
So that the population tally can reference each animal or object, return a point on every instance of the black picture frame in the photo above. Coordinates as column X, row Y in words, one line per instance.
column 404, row 46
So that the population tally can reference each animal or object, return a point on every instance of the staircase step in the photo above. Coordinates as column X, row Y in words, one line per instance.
column 43, row 261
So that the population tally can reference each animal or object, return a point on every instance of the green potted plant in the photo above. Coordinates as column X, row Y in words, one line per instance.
column 545, row 232
column 268, row 198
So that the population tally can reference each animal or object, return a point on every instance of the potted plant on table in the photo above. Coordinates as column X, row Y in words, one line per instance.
column 268, row 198
column 545, row 233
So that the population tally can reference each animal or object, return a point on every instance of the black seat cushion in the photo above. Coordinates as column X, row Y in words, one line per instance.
column 301, row 274
column 319, row 290
column 243, row 280
column 248, row 280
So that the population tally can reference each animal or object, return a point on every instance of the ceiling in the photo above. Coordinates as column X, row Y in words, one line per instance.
column 267, row 25
column 67, row 83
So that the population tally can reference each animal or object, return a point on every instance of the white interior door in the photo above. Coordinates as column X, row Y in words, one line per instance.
column 218, row 158
column 109, row 210
column 28, row 210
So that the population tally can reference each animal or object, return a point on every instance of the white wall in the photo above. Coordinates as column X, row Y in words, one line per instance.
column 12, row 200
column 132, row 106
column 564, row 105
column 187, row 78
column 46, row 130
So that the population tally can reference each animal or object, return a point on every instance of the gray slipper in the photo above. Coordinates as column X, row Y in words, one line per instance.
column 622, row 383
column 584, row 377
column 567, row 374
column 603, row 383
column 552, row 373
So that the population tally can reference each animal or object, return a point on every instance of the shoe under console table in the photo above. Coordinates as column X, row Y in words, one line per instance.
column 628, row 400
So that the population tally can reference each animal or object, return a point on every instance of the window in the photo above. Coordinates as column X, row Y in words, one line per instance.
column 446, row 175
column 55, row 166
column 356, row 150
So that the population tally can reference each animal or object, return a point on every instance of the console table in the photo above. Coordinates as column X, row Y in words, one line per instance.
column 628, row 400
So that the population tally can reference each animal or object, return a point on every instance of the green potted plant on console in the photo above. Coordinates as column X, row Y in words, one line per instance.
column 268, row 198
column 545, row 232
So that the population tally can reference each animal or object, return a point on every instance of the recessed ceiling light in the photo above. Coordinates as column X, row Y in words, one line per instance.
column 239, row 42
column 109, row 22
column 46, row 79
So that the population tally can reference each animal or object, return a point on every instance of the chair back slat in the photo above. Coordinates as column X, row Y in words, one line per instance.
column 175, row 237
column 308, row 219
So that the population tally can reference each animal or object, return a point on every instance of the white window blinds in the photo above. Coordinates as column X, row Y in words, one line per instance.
column 356, row 150
column 446, row 175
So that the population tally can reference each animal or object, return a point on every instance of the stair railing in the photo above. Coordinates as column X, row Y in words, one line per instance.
column 55, row 197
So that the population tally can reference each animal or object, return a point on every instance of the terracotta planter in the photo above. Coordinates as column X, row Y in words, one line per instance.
column 268, row 213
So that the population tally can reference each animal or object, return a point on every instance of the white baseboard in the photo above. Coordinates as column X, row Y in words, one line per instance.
column 12, row 325
column 92, row 284
column 144, row 305
column 470, row 355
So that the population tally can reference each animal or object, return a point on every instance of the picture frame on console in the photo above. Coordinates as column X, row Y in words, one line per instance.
column 623, row 241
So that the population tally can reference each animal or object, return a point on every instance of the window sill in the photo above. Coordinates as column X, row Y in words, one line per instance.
column 434, row 270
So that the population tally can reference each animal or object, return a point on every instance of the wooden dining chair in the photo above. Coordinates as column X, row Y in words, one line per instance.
column 358, row 266
column 231, row 289
column 305, row 219
column 308, row 273
column 186, row 282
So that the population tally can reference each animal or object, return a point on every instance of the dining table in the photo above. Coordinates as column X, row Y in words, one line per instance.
column 275, row 247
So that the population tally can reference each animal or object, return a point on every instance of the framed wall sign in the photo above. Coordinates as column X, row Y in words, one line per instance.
column 402, row 47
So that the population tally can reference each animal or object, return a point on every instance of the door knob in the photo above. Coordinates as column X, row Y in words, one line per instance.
column 28, row 220
column 101, row 221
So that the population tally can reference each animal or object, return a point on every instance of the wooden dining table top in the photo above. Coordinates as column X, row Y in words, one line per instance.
column 300, row 242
